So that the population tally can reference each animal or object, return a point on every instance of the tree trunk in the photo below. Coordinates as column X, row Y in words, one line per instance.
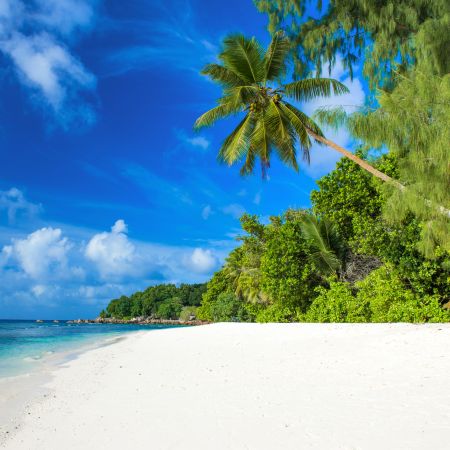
column 361, row 163
column 366, row 166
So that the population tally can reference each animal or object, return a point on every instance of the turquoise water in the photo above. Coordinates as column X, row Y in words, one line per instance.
column 26, row 345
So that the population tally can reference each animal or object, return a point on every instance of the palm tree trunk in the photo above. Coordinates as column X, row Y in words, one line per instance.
column 364, row 164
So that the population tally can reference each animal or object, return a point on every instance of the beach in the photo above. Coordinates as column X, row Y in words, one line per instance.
column 246, row 386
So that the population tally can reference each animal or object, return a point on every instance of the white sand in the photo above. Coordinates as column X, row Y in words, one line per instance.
column 250, row 386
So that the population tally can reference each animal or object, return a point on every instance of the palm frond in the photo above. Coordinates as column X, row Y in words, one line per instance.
column 237, row 143
column 308, row 123
column 223, row 75
column 282, row 134
column 305, row 90
column 249, row 163
column 244, row 57
column 213, row 115
column 275, row 57
column 321, row 233
column 299, row 127
column 239, row 96
column 260, row 139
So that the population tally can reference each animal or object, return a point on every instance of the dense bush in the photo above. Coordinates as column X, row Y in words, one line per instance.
column 227, row 308
column 381, row 297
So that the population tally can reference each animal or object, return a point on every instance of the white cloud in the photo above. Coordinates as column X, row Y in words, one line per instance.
column 36, row 37
column 257, row 198
column 206, row 212
column 234, row 209
column 42, row 255
column 323, row 159
column 202, row 261
column 15, row 204
column 199, row 141
column 64, row 16
column 196, row 142
column 51, row 269
column 112, row 253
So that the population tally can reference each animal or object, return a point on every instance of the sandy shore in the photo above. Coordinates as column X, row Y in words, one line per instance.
column 249, row 386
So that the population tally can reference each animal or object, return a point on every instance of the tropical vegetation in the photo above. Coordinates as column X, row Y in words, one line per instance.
column 370, row 248
column 163, row 301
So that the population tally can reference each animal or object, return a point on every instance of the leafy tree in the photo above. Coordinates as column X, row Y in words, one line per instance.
column 170, row 308
column 249, row 77
column 136, row 304
column 413, row 122
column 288, row 276
column 406, row 52
column 164, row 300
column 391, row 34
column 218, row 284
column 354, row 202
column 227, row 308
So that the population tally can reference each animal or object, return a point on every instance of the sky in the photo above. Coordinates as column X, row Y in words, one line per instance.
column 105, row 188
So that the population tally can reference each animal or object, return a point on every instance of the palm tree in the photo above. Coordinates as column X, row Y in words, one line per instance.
column 250, row 79
column 327, row 247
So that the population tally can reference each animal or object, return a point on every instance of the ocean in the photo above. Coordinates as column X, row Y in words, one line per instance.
column 26, row 345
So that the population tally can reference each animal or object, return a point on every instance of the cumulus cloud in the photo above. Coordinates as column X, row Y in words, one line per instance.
column 49, row 268
column 202, row 261
column 112, row 252
column 15, row 204
column 42, row 255
column 36, row 39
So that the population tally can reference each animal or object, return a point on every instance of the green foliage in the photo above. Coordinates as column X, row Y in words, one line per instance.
column 413, row 122
column 380, row 297
column 405, row 47
column 227, row 308
column 348, row 193
column 162, row 301
column 287, row 275
column 273, row 275
column 188, row 313
column 170, row 308
column 217, row 285
column 389, row 33
column 354, row 202
column 336, row 304
column 276, row 312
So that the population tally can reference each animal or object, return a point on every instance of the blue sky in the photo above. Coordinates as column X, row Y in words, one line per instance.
column 104, row 186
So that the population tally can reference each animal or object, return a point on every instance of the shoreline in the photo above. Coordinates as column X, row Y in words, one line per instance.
column 236, row 386
column 139, row 321
column 20, row 392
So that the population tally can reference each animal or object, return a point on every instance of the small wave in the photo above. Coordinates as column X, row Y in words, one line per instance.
column 32, row 358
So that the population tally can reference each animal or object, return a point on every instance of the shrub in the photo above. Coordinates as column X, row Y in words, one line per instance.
column 277, row 313
column 170, row 308
column 337, row 304
column 226, row 308
column 380, row 297
column 187, row 312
